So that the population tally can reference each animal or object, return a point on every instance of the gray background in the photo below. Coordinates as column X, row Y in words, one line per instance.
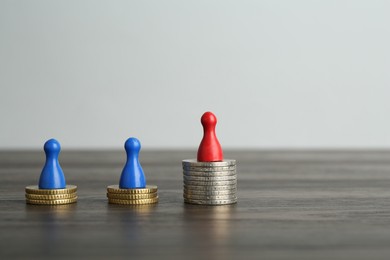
column 278, row 74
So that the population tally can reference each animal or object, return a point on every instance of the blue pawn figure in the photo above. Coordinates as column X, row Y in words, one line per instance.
column 52, row 176
column 132, row 175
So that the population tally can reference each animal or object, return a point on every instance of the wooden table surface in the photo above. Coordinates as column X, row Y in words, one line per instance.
column 292, row 205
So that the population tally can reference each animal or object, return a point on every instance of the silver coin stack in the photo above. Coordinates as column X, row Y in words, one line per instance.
column 210, row 183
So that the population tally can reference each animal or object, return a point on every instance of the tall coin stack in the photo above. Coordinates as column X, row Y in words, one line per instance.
column 138, row 196
column 210, row 183
column 37, row 196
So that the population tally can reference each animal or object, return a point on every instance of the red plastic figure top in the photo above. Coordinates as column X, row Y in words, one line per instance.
column 210, row 149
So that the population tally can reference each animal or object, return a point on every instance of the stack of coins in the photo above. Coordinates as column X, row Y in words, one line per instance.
column 37, row 196
column 139, row 196
column 210, row 183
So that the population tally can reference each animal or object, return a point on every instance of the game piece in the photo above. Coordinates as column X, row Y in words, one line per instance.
column 209, row 180
column 132, row 175
column 210, row 149
column 52, row 176
column 52, row 188
column 132, row 188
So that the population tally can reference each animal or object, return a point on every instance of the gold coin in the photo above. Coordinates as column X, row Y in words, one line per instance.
column 36, row 190
column 50, row 197
column 147, row 189
column 133, row 202
column 51, row 202
column 131, row 196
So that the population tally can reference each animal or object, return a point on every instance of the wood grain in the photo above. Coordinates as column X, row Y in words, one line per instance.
column 292, row 205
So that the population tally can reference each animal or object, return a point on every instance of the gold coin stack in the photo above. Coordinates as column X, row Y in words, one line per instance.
column 138, row 196
column 37, row 196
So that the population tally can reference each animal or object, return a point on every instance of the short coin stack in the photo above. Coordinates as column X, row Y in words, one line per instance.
column 210, row 183
column 37, row 196
column 137, row 196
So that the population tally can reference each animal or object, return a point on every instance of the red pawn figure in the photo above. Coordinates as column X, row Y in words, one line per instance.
column 209, row 149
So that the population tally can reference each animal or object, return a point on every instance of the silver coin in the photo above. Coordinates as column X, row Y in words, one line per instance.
column 195, row 163
column 208, row 178
column 209, row 174
column 211, row 202
column 209, row 193
column 210, row 197
column 210, row 183
column 210, row 169
column 210, row 188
